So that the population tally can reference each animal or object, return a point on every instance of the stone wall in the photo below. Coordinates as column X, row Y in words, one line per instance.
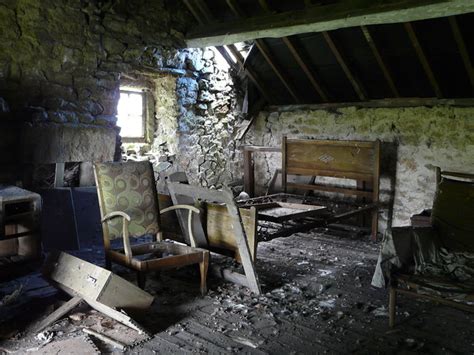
column 197, row 110
column 414, row 141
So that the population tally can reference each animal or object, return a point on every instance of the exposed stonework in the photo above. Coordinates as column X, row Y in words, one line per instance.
column 414, row 141
column 196, row 116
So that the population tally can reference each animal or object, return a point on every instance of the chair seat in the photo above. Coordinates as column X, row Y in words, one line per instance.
column 159, row 255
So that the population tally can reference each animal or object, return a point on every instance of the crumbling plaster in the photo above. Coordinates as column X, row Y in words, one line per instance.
column 414, row 141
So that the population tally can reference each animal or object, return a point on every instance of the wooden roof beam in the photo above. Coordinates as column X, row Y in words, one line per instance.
column 324, row 18
column 356, row 84
column 462, row 48
column 378, row 57
column 265, row 51
column 423, row 60
column 299, row 59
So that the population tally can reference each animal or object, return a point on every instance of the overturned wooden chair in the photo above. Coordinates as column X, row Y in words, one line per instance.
column 129, row 207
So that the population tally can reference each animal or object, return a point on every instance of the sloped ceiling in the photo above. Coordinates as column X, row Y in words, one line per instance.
column 428, row 58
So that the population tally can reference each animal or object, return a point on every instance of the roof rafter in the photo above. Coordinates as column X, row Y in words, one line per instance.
column 324, row 18
column 423, row 60
column 378, row 57
column 265, row 51
column 202, row 7
column 462, row 48
column 356, row 84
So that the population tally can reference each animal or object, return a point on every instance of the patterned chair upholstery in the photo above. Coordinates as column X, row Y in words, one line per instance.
column 128, row 203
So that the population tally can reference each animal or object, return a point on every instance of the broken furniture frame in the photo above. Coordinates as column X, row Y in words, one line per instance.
column 450, row 206
column 355, row 160
column 133, row 182
column 20, row 239
column 100, row 288
column 224, row 197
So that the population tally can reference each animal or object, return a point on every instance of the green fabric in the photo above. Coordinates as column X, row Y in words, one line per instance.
column 453, row 214
column 128, row 187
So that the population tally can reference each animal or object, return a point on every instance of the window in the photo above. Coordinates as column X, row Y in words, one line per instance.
column 131, row 114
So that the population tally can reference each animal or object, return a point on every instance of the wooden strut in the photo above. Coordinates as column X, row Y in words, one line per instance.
column 225, row 196
column 265, row 51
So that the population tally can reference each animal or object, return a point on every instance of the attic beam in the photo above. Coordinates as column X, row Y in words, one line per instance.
column 309, row 74
column 265, row 51
column 423, row 60
column 462, row 48
column 358, row 88
column 248, row 71
column 299, row 59
column 324, row 18
column 378, row 57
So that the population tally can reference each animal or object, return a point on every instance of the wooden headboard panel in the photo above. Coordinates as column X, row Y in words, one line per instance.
column 357, row 160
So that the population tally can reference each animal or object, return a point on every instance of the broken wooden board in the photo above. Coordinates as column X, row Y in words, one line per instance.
column 282, row 211
column 56, row 315
column 93, row 283
column 225, row 196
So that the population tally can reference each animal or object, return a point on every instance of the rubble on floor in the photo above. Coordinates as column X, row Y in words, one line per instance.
column 317, row 299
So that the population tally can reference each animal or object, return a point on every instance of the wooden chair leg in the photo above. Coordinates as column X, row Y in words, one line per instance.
column 203, row 266
column 375, row 224
column 141, row 279
column 392, row 306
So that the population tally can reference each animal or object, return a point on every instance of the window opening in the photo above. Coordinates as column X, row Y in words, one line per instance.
column 131, row 114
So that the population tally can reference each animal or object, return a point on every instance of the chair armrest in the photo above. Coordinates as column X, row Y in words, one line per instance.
column 125, row 233
column 191, row 209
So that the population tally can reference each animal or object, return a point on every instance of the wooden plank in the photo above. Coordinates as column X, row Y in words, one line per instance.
column 253, row 76
column 56, row 315
column 346, row 191
column 242, row 242
column 91, row 282
column 220, row 233
column 422, row 58
column 378, row 58
column 277, row 69
column 462, row 48
column 304, row 66
column 198, row 230
column 356, row 84
column 249, row 182
column 329, row 17
column 265, row 51
column 284, row 171
column 226, row 197
column 381, row 103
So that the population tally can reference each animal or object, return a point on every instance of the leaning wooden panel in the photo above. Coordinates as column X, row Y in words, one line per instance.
column 220, row 233
column 93, row 283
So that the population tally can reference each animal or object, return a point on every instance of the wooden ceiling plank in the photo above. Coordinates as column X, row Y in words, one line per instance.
column 251, row 74
column 194, row 11
column 205, row 10
column 294, row 51
column 381, row 63
column 265, row 51
column 328, row 17
column 309, row 74
column 422, row 58
column 462, row 48
column 356, row 84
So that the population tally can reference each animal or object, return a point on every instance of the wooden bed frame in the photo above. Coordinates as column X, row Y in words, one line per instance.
column 348, row 160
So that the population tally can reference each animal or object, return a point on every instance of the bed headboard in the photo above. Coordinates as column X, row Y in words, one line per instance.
column 357, row 160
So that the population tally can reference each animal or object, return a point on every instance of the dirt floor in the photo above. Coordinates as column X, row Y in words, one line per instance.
column 316, row 298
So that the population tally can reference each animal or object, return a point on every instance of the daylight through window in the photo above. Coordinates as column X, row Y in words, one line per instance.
column 130, row 116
